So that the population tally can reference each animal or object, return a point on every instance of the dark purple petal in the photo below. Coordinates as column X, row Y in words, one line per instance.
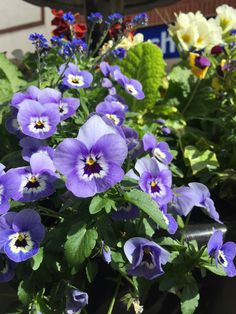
column 76, row 300
column 202, row 62
column 125, row 213
column 24, row 219
column 7, row 272
column 33, row 145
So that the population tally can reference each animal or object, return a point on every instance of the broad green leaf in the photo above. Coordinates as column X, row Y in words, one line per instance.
column 80, row 242
column 91, row 271
column 189, row 298
column 144, row 62
column 146, row 204
column 10, row 78
column 37, row 259
column 98, row 203
column 167, row 241
column 23, row 292
column 146, row 227
column 200, row 160
column 218, row 270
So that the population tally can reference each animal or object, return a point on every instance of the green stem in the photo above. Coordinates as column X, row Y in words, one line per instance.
column 49, row 212
column 113, row 300
column 62, row 73
column 100, row 42
column 89, row 38
column 38, row 66
column 185, row 228
column 191, row 97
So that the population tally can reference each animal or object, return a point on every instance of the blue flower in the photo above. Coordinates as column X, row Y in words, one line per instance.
column 75, row 301
column 146, row 258
column 132, row 87
column 38, row 40
column 106, row 253
column 140, row 19
column 224, row 254
column 69, row 17
column 74, row 78
column 120, row 53
column 21, row 234
column 95, row 18
column 115, row 18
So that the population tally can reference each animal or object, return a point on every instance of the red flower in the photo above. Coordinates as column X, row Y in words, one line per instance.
column 80, row 29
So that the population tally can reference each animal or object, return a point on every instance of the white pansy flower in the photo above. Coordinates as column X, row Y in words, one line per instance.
column 226, row 17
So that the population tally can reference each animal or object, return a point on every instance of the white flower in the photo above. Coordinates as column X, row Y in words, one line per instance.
column 226, row 17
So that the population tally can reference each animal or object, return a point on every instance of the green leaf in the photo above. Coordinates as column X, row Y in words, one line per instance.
column 146, row 227
column 81, row 240
column 166, row 241
column 199, row 160
column 144, row 62
column 98, row 203
column 146, row 204
column 23, row 292
column 189, row 298
column 10, row 78
column 91, row 271
column 37, row 259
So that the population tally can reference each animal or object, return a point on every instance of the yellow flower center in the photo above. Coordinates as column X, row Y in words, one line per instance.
column 33, row 179
column 90, row 161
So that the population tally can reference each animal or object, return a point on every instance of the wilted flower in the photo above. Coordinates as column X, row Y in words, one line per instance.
column 171, row 223
column 155, row 179
column 31, row 183
column 21, row 234
column 75, row 301
column 159, row 150
column 38, row 120
column 92, row 162
column 202, row 199
column 7, row 268
column 106, row 253
column 146, row 258
column 224, row 254
column 74, row 78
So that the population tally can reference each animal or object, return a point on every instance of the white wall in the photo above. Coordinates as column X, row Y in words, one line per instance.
column 15, row 13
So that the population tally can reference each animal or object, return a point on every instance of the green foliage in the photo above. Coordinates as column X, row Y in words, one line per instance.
column 37, row 259
column 189, row 297
column 147, row 205
column 99, row 203
column 80, row 242
column 24, row 292
column 91, row 271
column 11, row 79
column 144, row 62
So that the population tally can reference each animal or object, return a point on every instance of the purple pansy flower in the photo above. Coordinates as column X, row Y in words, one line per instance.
column 32, row 93
column 171, row 223
column 95, row 17
column 119, row 53
column 28, row 184
column 146, row 258
column 38, row 120
column 155, row 179
column 7, row 268
column 166, row 130
column 132, row 87
column 159, row 150
column 112, row 111
column 92, row 162
column 224, row 254
column 135, row 146
column 107, row 83
column 12, row 124
column 112, row 71
column 4, row 193
column 106, row 253
column 202, row 62
column 21, row 234
column 183, row 200
column 202, row 199
column 75, row 301
column 66, row 106
column 74, row 78
column 31, row 146
column 125, row 212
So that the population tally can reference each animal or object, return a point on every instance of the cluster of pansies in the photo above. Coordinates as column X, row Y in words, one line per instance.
column 94, row 165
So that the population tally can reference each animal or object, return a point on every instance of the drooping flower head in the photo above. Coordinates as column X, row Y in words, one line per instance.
column 155, row 179
column 21, row 234
column 159, row 150
column 112, row 111
column 76, row 300
column 171, row 223
column 92, row 162
column 74, row 78
column 203, row 199
column 31, row 183
column 146, row 258
column 38, row 120
column 7, row 268
column 106, row 253
column 132, row 87
column 31, row 146
column 199, row 64
column 66, row 106
column 224, row 254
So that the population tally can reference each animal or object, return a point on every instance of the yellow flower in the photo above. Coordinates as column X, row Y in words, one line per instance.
column 199, row 64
